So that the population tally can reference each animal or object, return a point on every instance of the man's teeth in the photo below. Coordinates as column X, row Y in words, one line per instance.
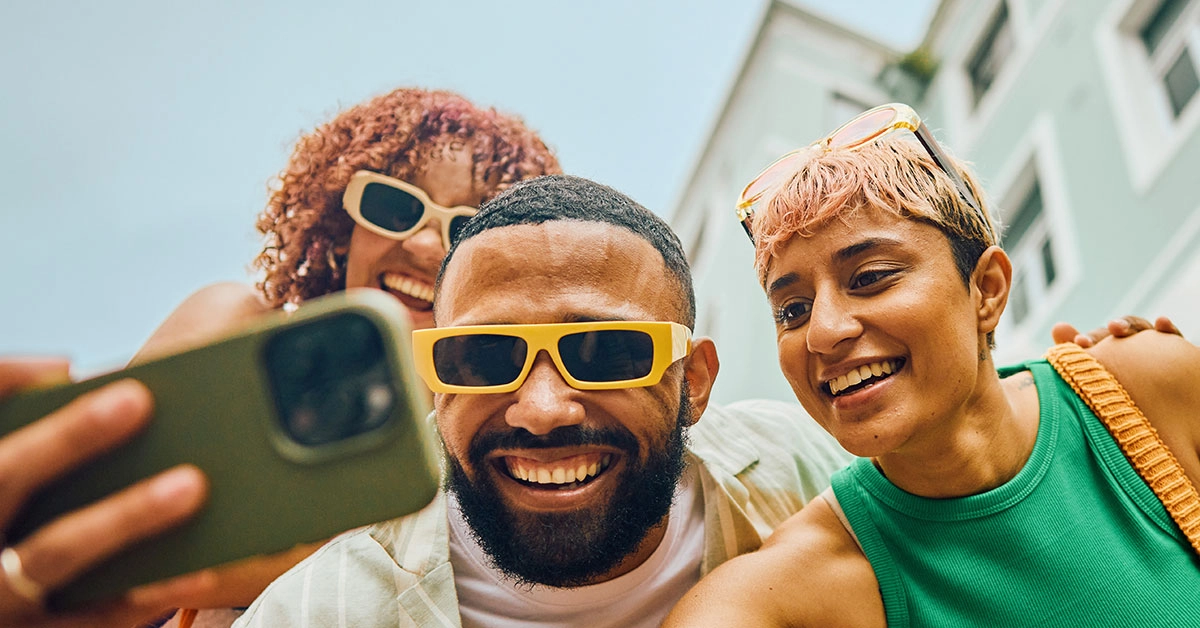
column 555, row 473
column 861, row 374
column 409, row 286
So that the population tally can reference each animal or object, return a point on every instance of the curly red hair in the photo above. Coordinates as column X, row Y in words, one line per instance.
column 307, row 233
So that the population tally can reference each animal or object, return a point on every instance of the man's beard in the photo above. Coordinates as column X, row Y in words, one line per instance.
column 570, row 549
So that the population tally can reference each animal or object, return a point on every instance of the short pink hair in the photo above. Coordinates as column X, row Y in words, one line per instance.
column 891, row 174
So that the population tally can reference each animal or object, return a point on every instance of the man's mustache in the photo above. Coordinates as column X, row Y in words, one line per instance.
column 565, row 436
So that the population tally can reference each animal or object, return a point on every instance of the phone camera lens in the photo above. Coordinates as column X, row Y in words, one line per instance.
column 331, row 379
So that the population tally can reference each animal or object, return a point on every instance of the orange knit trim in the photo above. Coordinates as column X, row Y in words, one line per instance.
column 1140, row 442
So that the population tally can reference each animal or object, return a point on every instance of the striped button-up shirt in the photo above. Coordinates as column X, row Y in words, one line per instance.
column 758, row 463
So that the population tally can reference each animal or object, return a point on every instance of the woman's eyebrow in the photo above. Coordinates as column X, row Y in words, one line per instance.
column 858, row 248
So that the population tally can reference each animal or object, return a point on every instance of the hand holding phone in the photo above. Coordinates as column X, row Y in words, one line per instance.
column 306, row 425
column 58, row 552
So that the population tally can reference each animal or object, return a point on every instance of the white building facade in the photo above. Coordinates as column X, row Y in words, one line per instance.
column 1080, row 117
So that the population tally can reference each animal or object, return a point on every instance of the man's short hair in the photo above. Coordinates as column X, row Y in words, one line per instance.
column 564, row 197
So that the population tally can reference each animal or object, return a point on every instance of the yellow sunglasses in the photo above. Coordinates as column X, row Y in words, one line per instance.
column 863, row 129
column 601, row 355
column 397, row 209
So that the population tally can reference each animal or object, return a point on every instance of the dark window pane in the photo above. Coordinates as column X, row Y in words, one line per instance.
column 1181, row 82
column 1018, row 300
column 1048, row 268
column 1160, row 23
column 994, row 48
column 1029, row 211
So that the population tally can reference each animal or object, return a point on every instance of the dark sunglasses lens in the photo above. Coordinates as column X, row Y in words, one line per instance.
column 456, row 225
column 479, row 360
column 390, row 208
column 607, row 355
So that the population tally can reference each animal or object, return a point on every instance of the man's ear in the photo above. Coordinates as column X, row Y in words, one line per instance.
column 700, row 369
column 990, row 283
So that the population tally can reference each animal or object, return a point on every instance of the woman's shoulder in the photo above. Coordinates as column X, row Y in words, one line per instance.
column 809, row 572
column 1161, row 372
column 207, row 314
column 1153, row 364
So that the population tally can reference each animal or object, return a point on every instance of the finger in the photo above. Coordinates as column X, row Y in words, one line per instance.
column 1127, row 326
column 18, row 373
column 41, row 451
column 1063, row 332
column 1166, row 326
column 61, row 550
column 1084, row 340
column 194, row 590
column 232, row 584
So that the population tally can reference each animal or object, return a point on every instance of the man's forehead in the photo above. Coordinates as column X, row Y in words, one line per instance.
column 561, row 246
column 597, row 270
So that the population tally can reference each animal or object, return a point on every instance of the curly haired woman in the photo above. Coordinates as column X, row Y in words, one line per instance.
column 456, row 155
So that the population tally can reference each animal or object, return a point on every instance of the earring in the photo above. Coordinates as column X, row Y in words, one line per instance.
column 335, row 257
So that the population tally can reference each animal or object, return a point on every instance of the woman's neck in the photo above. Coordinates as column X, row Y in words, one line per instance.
column 977, row 449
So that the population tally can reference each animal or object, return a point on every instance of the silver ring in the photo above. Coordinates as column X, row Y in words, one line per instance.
column 18, row 580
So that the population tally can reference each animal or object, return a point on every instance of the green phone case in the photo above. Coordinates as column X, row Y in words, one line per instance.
column 215, row 407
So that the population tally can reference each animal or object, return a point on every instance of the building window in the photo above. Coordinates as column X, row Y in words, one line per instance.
column 1030, row 245
column 1171, row 36
column 994, row 47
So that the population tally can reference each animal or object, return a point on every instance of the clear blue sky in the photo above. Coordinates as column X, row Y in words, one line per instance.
column 138, row 136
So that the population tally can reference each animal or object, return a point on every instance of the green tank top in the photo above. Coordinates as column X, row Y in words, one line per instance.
column 1076, row 538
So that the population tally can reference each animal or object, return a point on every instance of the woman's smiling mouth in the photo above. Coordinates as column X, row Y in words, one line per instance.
column 407, row 286
column 862, row 377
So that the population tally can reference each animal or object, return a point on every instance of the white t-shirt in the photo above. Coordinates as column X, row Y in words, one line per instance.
column 640, row 598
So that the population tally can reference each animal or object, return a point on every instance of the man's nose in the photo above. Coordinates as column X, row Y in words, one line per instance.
column 545, row 400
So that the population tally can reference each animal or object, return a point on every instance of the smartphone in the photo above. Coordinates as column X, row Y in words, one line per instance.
column 307, row 424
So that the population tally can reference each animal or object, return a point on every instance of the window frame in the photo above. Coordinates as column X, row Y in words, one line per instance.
column 1036, row 157
column 1150, row 132
column 999, row 21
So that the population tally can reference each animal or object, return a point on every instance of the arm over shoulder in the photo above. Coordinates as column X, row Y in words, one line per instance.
column 810, row 572
column 1162, row 374
column 207, row 314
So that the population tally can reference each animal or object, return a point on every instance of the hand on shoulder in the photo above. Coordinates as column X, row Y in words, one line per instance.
column 1117, row 328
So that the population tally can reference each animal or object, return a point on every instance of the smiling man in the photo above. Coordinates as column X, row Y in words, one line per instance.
column 588, row 481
